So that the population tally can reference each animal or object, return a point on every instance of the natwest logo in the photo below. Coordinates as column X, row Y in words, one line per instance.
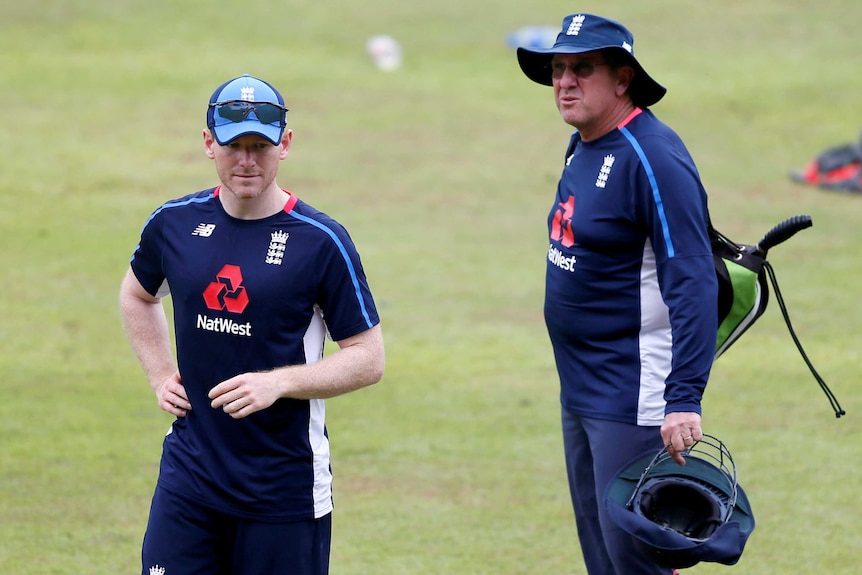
column 227, row 292
column 561, row 224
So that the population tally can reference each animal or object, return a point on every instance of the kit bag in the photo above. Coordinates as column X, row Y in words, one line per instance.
column 744, row 278
column 838, row 168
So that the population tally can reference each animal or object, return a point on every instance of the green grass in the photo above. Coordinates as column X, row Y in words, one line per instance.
column 443, row 171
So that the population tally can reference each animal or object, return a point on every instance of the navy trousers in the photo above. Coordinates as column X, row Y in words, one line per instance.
column 596, row 450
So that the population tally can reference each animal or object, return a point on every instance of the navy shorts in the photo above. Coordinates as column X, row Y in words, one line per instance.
column 184, row 538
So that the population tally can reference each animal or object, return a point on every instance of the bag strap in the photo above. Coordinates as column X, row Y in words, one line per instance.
column 775, row 236
column 833, row 401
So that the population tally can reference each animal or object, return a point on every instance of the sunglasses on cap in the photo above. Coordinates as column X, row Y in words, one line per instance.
column 238, row 110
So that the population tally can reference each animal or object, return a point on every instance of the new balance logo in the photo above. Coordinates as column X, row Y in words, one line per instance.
column 204, row 230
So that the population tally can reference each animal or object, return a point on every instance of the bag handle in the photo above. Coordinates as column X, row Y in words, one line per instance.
column 783, row 232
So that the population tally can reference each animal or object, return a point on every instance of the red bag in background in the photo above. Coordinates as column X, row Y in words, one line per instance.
column 837, row 169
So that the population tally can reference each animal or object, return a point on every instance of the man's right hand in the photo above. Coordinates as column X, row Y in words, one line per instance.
column 172, row 396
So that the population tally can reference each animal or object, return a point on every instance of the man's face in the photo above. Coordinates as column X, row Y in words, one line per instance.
column 586, row 89
column 247, row 166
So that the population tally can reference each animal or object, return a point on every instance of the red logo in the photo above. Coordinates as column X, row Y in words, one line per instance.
column 561, row 225
column 227, row 293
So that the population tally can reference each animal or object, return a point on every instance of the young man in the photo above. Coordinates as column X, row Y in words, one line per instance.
column 630, row 300
column 257, row 279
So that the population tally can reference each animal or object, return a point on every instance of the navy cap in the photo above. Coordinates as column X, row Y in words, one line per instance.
column 245, row 88
column 587, row 33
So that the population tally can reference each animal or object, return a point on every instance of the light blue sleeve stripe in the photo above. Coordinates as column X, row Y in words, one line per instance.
column 347, row 260
column 655, row 192
column 165, row 206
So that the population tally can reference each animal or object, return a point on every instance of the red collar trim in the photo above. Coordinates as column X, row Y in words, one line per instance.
column 636, row 112
column 291, row 201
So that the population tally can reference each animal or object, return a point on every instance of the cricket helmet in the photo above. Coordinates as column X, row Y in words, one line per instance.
column 682, row 515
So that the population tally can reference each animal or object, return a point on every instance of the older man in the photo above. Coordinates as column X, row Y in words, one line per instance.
column 630, row 302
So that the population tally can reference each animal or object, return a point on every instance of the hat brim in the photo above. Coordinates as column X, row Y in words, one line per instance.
column 535, row 63
column 227, row 133
column 670, row 549
column 666, row 546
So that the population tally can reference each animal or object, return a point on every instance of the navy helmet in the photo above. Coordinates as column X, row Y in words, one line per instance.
column 680, row 515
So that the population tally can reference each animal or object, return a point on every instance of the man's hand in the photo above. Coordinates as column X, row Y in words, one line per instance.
column 172, row 395
column 246, row 393
column 679, row 431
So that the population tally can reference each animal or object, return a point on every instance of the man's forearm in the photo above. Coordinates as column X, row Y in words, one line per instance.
column 359, row 363
column 147, row 329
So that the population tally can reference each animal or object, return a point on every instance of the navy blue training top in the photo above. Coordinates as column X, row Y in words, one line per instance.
column 251, row 295
column 630, row 300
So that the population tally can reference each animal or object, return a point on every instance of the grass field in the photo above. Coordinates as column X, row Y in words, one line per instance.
column 444, row 172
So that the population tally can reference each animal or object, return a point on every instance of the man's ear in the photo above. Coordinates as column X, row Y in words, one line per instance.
column 286, row 139
column 625, row 75
column 209, row 141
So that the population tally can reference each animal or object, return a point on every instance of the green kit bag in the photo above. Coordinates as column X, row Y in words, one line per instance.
column 743, row 288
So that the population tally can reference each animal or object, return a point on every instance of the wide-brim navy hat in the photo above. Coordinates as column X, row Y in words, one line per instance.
column 674, row 528
column 244, row 89
column 587, row 33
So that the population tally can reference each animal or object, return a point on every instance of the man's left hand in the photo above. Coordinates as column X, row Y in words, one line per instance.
column 679, row 431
